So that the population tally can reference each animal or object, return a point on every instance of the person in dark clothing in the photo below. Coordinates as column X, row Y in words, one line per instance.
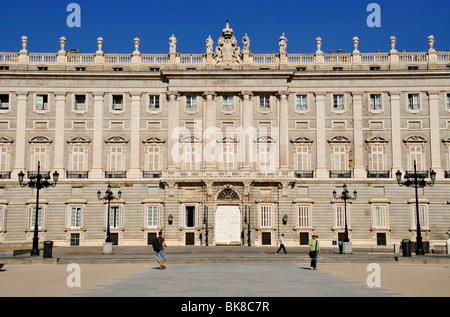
column 281, row 245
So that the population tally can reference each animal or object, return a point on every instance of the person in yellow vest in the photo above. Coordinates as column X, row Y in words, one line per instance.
column 314, row 250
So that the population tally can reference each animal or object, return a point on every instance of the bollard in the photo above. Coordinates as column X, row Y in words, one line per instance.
column 48, row 246
column 406, row 246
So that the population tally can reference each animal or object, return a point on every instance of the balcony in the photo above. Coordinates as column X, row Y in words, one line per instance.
column 77, row 174
column 304, row 174
column 115, row 174
column 151, row 174
column 378, row 174
column 5, row 175
column 420, row 174
column 33, row 174
column 340, row 174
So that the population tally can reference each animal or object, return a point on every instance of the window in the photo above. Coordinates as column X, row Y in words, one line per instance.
column 41, row 102
column 228, row 157
column 116, row 159
column 379, row 217
column 192, row 157
column 152, row 216
column 377, row 158
column 2, row 216
column 190, row 216
column 117, row 103
column 304, row 219
column 340, row 216
column 31, row 217
column 340, row 158
column 191, row 103
column 265, row 212
column 153, row 103
column 4, row 102
column 75, row 217
column 415, row 154
column 423, row 217
column 40, row 155
column 338, row 102
column 115, row 215
column 302, row 155
column 227, row 103
column 264, row 157
column 264, row 102
column 78, row 158
column 448, row 101
column 153, row 158
column 80, row 102
column 302, row 102
column 413, row 102
column 375, row 102
column 3, row 158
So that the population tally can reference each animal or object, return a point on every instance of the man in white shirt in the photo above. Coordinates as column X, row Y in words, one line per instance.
column 281, row 245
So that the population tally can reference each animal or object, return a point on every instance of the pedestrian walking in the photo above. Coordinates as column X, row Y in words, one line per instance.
column 161, row 254
column 314, row 251
column 340, row 246
column 281, row 241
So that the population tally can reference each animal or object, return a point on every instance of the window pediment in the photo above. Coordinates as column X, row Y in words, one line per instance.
column 302, row 140
column 153, row 139
column 339, row 139
column 377, row 139
column 415, row 139
column 40, row 139
column 265, row 139
column 78, row 139
column 190, row 139
column 4, row 139
column 116, row 139
column 228, row 140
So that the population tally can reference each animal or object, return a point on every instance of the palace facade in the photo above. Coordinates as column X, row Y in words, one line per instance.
column 225, row 147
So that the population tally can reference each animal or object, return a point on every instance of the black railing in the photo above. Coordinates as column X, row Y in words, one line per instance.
column 5, row 175
column 378, row 174
column 151, row 174
column 115, row 174
column 340, row 174
column 33, row 174
column 77, row 174
column 304, row 174
column 421, row 174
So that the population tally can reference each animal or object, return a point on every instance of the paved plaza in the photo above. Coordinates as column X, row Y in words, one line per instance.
column 236, row 273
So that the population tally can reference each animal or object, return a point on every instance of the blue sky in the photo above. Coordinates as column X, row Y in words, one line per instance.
column 120, row 21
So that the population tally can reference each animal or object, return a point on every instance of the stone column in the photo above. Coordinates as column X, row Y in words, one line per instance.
column 248, row 132
column 135, row 171
column 435, row 144
column 321, row 159
column 97, row 144
column 59, row 133
column 209, row 135
column 20, row 142
column 283, row 124
column 358, row 144
column 396, row 133
column 172, row 131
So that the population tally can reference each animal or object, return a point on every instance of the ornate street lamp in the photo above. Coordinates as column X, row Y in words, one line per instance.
column 108, row 197
column 345, row 196
column 416, row 180
column 39, row 182
column 247, row 221
column 205, row 219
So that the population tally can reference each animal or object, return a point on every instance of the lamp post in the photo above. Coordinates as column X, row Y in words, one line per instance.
column 108, row 197
column 39, row 182
column 345, row 196
column 247, row 221
column 205, row 219
column 416, row 181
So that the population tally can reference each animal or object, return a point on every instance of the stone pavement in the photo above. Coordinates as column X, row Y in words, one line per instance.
column 222, row 272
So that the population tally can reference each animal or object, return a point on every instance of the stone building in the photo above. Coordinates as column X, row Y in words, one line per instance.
column 224, row 147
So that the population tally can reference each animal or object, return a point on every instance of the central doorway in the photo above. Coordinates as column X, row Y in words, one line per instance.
column 228, row 225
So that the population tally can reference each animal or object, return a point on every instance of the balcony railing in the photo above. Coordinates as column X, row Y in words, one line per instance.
column 33, row 174
column 340, row 174
column 420, row 174
column 378, row 174
column 304, row 174
column 115, row 174
column 5, row 175
column 151, row 174
column 77, row 174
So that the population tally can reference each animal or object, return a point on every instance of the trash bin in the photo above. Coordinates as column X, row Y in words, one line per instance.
column 406, row 246
column 48, row 246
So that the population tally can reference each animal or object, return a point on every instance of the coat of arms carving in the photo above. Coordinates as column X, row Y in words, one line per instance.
column 227, row 52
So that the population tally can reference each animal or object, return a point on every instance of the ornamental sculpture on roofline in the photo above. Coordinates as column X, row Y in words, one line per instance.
column 227, row 52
